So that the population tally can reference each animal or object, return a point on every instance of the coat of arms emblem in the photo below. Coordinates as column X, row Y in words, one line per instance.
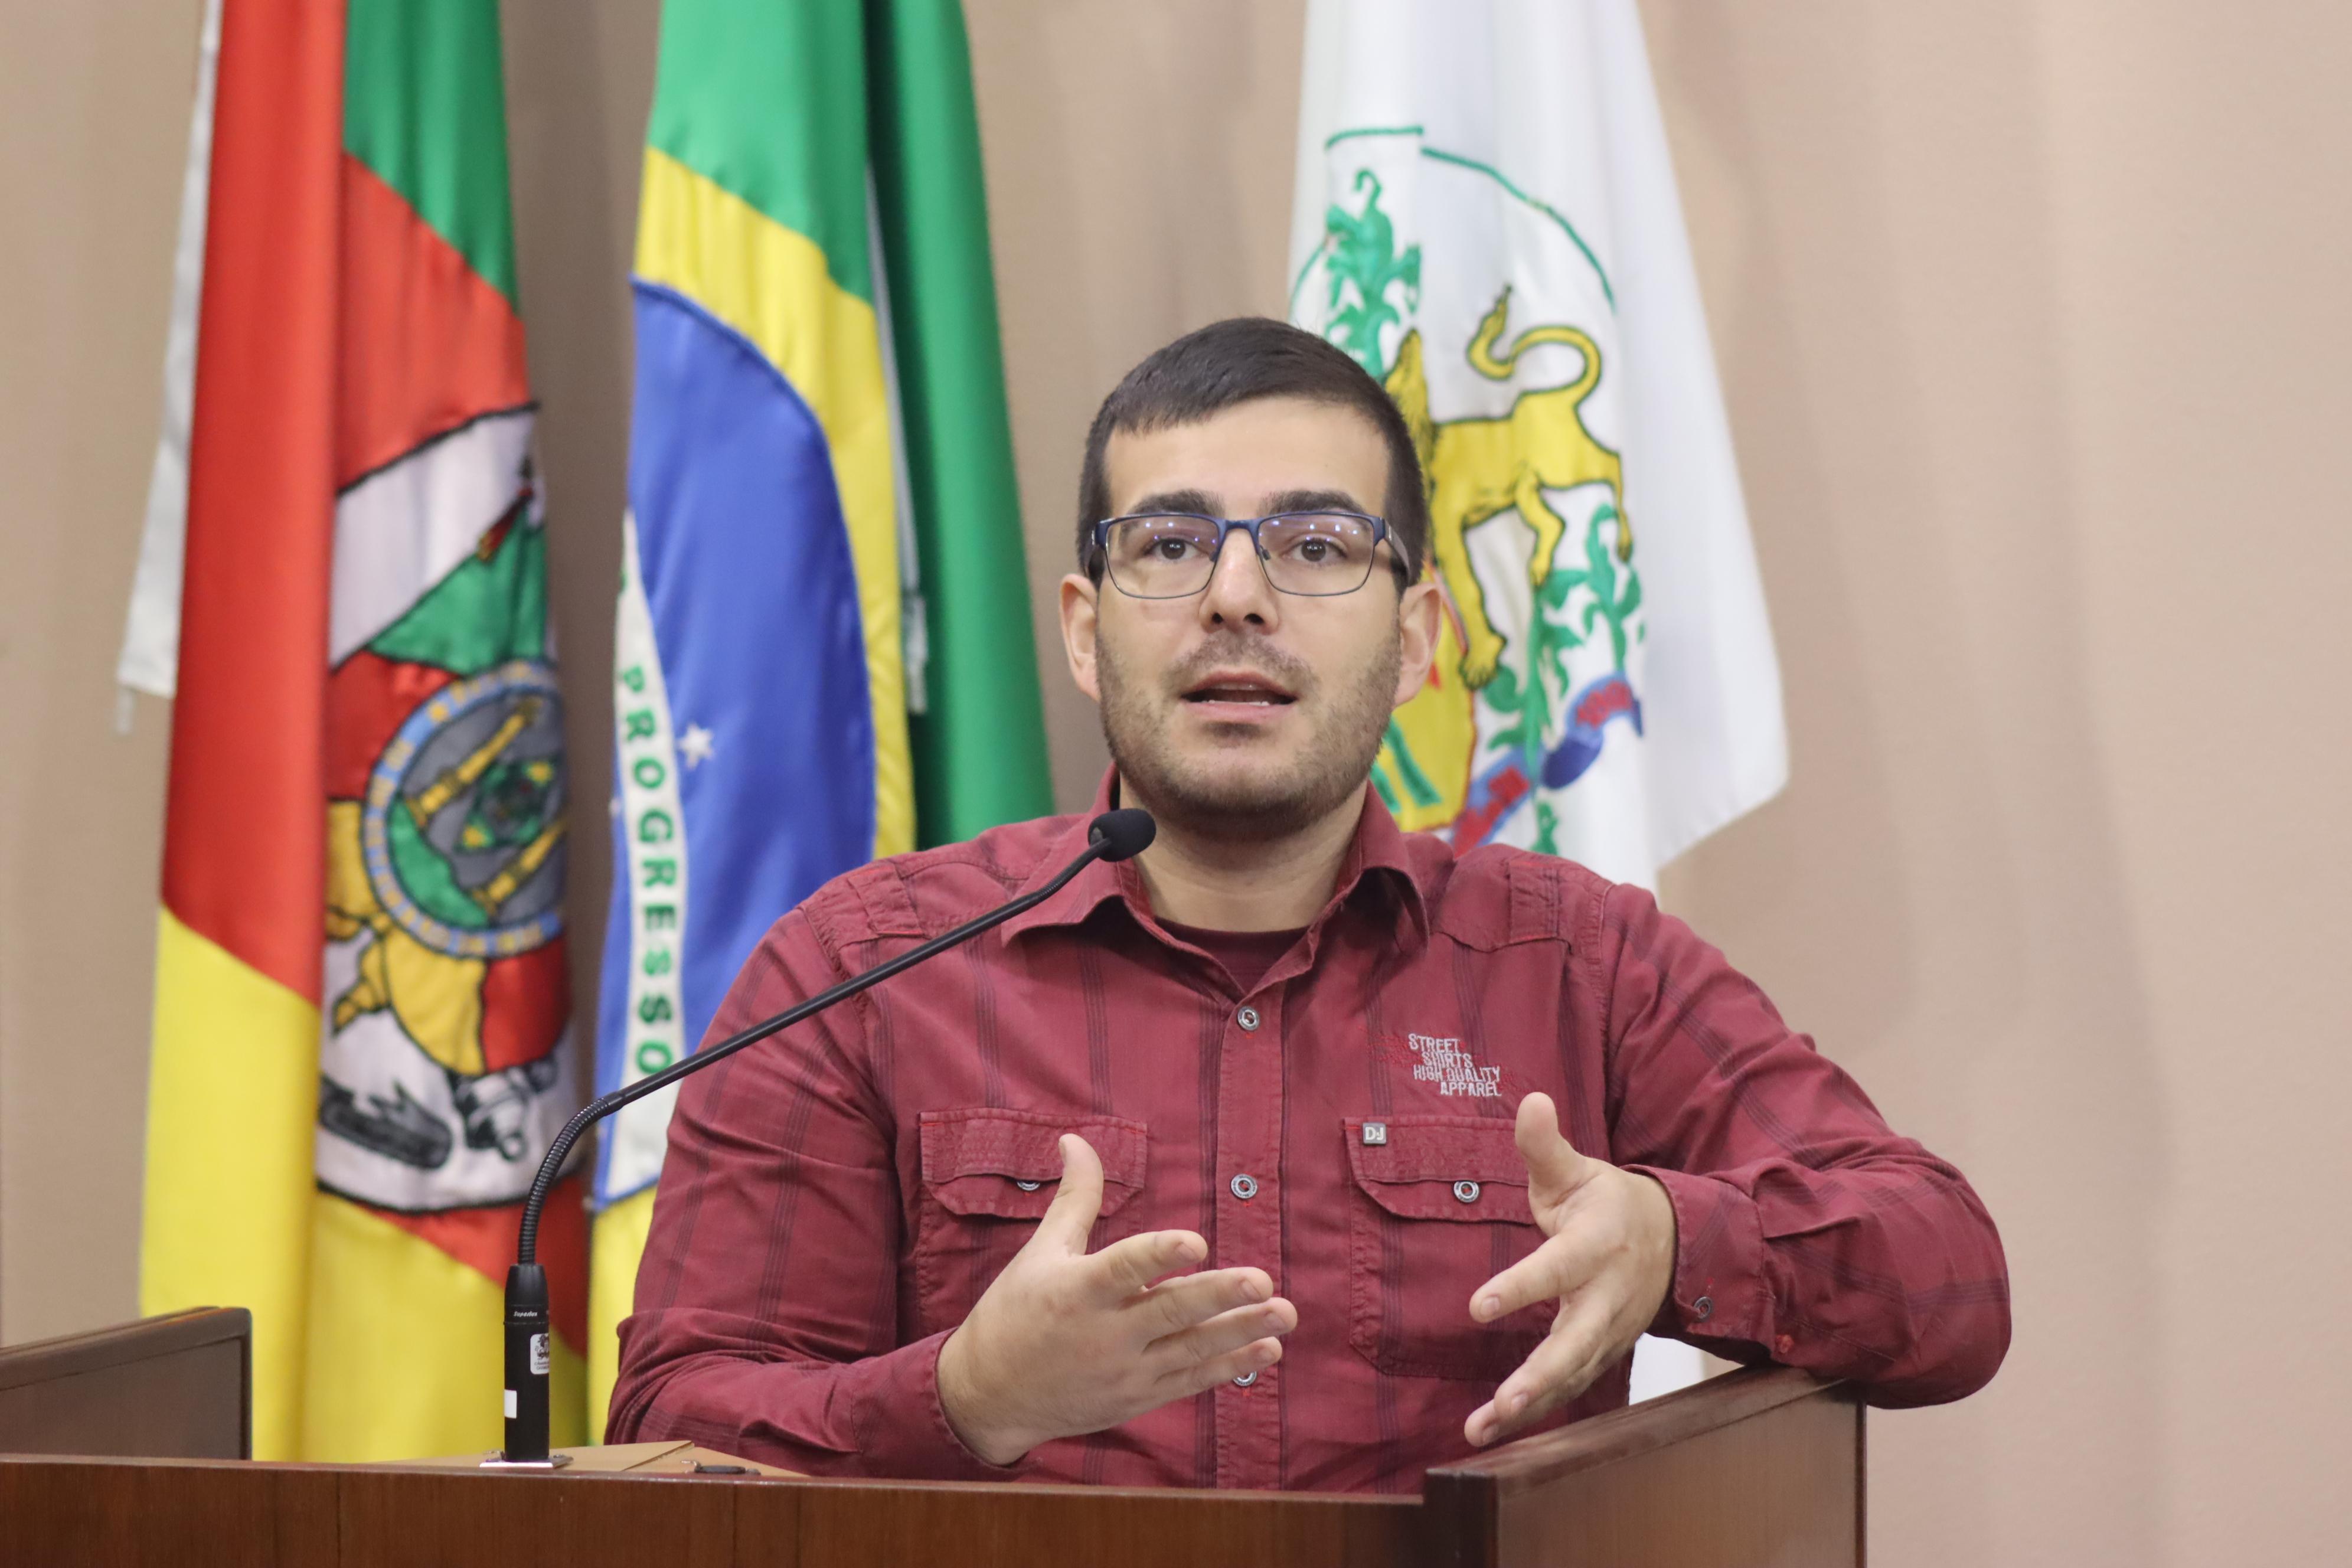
column 1497, row 347
column 441, row 1075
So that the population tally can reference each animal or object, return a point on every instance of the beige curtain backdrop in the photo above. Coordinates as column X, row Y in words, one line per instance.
column 2032, row 316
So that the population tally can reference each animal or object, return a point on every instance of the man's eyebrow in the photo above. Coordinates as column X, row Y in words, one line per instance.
column 1200, row 502
column 1313, row 500
column 1174, row 500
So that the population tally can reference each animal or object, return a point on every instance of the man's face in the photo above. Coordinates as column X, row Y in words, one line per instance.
column 1241, row 712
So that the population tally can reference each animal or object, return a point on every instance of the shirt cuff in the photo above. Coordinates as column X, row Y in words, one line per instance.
column 923, row 1447
column 1719, row 1288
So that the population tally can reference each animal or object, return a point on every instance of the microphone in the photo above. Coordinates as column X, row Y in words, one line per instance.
column 1113, row 836
column 1123, row 834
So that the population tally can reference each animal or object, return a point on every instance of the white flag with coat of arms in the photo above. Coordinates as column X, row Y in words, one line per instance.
column 1486, row 218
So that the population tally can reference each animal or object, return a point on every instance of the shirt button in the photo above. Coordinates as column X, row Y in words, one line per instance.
column 1247, row 1018
column 1028, row 1187
column 1245, row 1187
column 1244, row 1380
column 1466, row 1192
column 1703, row 1308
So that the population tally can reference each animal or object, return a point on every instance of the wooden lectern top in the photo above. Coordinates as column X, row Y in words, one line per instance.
column 1760, row 1466
column 624, row 1459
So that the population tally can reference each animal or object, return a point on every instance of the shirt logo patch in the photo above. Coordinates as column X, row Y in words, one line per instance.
column 1444, row 1063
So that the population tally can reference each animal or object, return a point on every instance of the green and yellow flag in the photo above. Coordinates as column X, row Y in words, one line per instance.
column 822, row 650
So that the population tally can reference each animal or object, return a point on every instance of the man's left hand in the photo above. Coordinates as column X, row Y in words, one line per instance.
column 1608, row 1258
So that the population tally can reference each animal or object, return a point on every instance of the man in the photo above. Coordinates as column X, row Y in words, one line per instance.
column 1298, row 1152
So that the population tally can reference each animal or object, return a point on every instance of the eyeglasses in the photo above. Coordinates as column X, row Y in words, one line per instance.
column 1172, row 554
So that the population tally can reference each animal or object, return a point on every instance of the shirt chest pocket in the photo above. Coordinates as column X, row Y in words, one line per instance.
column 1440, row 1206
column 987, row 1177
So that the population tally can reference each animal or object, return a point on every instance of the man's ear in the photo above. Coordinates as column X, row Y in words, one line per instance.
column 1080, row 604
column 1419, row 618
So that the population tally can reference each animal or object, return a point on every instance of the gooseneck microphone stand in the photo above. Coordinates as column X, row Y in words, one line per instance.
column 1113, row 836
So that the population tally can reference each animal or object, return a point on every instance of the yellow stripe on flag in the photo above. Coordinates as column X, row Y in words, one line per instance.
column 406, row 1348
column 617, row 1241
column 771, row 285
column 232, row 1117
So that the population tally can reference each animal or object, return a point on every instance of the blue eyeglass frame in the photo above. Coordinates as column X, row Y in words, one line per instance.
column 1250, row 525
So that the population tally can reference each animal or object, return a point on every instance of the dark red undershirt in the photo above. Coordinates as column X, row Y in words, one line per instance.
column 1246, row 954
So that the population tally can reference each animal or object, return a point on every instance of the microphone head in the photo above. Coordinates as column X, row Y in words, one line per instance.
column 1123, row 834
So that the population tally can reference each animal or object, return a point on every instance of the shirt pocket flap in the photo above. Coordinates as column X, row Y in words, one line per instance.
column 1463, row 1168
column 1008, row 1163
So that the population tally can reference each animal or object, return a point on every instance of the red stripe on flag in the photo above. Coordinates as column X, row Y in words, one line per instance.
column 427, row 343
column 369, row 697
column 525, row 1000
column 484, row 1240
column 245, row 833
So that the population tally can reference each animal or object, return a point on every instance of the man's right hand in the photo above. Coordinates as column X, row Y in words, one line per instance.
column 1066, row 1342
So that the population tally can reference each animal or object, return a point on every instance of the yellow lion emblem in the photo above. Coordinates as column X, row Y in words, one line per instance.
column 1477, row 469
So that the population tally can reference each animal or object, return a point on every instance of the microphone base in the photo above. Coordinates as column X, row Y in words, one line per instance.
column 498, row 1460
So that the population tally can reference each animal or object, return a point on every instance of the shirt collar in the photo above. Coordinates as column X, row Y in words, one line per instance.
column 1379, row 856
column 1090, row 888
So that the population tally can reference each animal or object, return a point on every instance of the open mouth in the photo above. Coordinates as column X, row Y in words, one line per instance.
column 1239, row 689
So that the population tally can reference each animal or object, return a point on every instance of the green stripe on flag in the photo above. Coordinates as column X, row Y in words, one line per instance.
column 767, row 99
column 485, row 611
column 980, row 746
column 424, row 107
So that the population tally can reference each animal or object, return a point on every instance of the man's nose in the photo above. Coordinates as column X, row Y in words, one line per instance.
column 1238, row 591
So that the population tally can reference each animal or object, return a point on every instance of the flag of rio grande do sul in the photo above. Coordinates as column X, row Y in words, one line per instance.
column 1486, row 219
column 361, row 1043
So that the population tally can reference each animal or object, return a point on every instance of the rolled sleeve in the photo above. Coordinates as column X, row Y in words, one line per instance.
column 1718, row 1291
column 1808, row 1232
column 877, row 1416
column 928, row 1449
column 767, row 1314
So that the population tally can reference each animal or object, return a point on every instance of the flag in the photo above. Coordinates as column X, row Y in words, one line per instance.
column 360, row 1010
column 822, row 646
column 151, row 634
column 1486, row 218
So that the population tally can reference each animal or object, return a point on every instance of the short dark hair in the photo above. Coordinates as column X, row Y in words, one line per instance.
column 1239, row 361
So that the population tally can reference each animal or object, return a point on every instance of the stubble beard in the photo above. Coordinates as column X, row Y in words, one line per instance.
column 1247, row 803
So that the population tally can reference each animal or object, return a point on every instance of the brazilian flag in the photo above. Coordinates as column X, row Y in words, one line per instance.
column 822, row 647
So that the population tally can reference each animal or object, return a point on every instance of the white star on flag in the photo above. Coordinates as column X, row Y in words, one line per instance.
column 695, row 746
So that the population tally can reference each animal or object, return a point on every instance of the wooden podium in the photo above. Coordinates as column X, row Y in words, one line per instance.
column 1760, row 1466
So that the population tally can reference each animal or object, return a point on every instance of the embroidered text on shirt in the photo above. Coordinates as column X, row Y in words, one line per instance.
column 1444, row 1063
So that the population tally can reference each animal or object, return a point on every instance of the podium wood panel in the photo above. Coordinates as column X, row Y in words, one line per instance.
column 853, row 1524
column 1757, row 1467
column 1761, row 1467
column 110, row 1512
column 398, row 1519
column 130, row 1513
column 176, row 1386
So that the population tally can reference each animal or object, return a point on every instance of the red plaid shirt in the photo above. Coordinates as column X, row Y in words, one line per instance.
column 835, row 1200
